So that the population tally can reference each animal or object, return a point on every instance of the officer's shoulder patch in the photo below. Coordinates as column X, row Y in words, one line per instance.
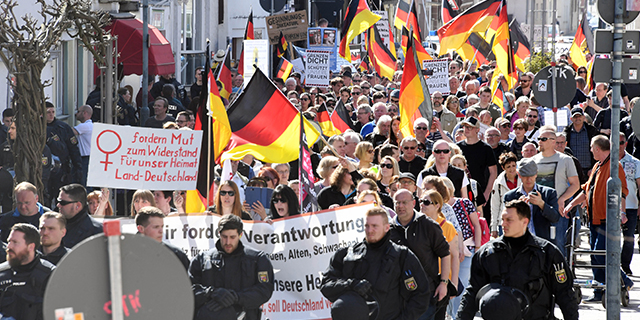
column 263, row 276
column 55, row 137
column 561, row 275
column 74, row 140
column 45, row 161
column 411, row 284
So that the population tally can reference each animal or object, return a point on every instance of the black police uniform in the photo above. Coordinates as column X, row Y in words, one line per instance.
column 8, row 219
column 245, row 271
column 64, row 145
column 8, row 172
column 80, row 227
column 398, row 283
column 126, row 114
column 537, row 268
column 22, row 288
column 55, row 256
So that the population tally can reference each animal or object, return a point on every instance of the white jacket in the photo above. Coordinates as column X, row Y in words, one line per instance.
column 497, row 199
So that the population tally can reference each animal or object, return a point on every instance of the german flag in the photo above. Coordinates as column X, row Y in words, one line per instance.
column 284, row 69
column 356, row 21
column 281, row 46
column 224, row 75
column 591, row 85
column 381, row 58
column 340, row 118
column 582, row 43
column 414, row 94
column 265, row 124
column 476, row 49
column 500, row 99
column 325, row 122
column 364, row 63
column 519, row 44
column 499, row 33
column 248, row 35
column 450, row 9
column 411, row 24
column 422, row 52
column 402, row 12
column 455, row 33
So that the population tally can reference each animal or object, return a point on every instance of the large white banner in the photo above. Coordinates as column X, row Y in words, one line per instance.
column 299, row 247
column 383, row 27
column 143, row 158
column 256, row 52
column 437, row 72
column 318, row 66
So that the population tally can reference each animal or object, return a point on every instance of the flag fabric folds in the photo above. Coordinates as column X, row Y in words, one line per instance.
column 499, row 33
column 402, row 11
column 455, row 33
column 476, row 48
column 420, row 50
column 324, row 120
column 414, row 94
column 582, row 43
column 281, row 46
column 340, row 118
column 248, row 35
column 284, row 69
column 224, row 75
column 519, row 44
column 500, row 99
column 357, row 20
column 450, row 10
column 381, row 58
column 265, row 124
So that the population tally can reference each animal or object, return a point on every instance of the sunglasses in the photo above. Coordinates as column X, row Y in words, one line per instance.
column 407, row 148
column 422, row 128
column 582, row 72
column 426, row 202
column 394, row 101
column 356, row 93
column 622, row 142
column 525, row 80
column 386, row 165
column 370, row 151
column 543, row 139
column 366, row 88
column 276, row 200
column 445, row 151
column 393, row 110
column 65, row 202
column 229, row 193
column 518, row 128
column 531, row 116
column 506, row 125
column 305, row 99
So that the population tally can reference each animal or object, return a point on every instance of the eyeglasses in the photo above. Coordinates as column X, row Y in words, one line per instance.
column 305, row 99
column 426, row 202
column 394, row 100
column 366, row 88
column 518, row 128
column 582, row 72
column 531, row 116
column 437, row 98
column 63, row 203
column 622, row 142
column 387, row 165
column 493, row 135
column 356, row 93
column 276, row 200
column 370, row 151
column 525, row 80
column 544, row 139
column 334, row 167
column 229, row 193
column 420, row 149
column 407, row 148
column 454, row 101
column 393, row 110
column 445, row 151
column 506, row 125
column 421, row 128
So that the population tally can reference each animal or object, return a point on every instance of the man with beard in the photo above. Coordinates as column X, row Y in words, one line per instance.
column 376, row 271
column 53, row 227
column 447, row 118
column 230, row 279
column 524, row 89
column 24, row 276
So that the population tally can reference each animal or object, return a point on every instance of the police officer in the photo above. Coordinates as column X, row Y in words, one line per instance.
column 64, row 146
column 376, row 271
column 230, row 279
column 24, row 276
column 519, row 262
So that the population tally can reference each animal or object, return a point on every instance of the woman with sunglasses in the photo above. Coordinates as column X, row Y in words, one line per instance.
column 343, row 181
column 453, row 104
column 442, row 152
column 388, row 169
column 520, row 127
column 270, row 175
column 365, row 154
column 431, row 204
column 284, row 202
column 305, row 102
column 141, row 198
column 227, row 201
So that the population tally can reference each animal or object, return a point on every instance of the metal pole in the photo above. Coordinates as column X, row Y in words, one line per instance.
column 554, row 28
column 108, row 97
column 144, row 108
column 532, row 26
column 613, row 183
column 544, row 34
column 112, row 231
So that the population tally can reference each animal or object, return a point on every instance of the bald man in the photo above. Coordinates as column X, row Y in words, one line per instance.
column 83, row 131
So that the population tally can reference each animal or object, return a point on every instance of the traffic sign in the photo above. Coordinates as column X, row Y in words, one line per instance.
column 606, row 11
column 155, row 284
column 604, row 41
column 603, row 67
column 565, row 88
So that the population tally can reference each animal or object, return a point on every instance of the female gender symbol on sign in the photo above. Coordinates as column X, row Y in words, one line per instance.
column 107, row 153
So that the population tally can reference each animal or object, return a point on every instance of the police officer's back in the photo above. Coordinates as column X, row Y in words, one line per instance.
column 230, row 278
column 64, row 146
column 376, row 271
column 24, row 276
column 519, row 262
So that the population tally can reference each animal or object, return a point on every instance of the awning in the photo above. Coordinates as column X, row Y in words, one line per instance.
column 129, row 32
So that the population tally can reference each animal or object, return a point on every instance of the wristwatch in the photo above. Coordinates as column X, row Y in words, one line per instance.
column 444, row 280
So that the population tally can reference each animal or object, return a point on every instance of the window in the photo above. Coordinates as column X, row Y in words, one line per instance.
column 221, row 11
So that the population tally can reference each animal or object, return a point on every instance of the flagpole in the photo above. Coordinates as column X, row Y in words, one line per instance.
column 209, row 129
column 300, row 160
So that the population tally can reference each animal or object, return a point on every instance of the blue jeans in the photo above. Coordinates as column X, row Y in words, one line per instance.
column 464, row 275
column 598, row 241
column 627, row 232
column 561, row 235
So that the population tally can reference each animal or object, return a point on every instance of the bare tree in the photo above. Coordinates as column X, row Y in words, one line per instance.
column 25, row 47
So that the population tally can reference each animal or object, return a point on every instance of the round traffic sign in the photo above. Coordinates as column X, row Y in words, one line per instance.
column 606, row 9
column 155, row 284
column 565, row 87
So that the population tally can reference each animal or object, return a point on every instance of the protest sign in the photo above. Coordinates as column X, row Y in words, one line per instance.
column 143, row 158
column 299, row 248
column 324, row 39
column 293, row 26
column 318, row 66
column 256, row 52
column 383, row 27
column 437, row 72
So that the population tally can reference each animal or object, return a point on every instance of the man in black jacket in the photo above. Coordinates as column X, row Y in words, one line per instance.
column 53, row 227
column 24, row 276
column 150, row 223
column 230, row 278
column 72, row 203
column 521, row 263
column 376, row 270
